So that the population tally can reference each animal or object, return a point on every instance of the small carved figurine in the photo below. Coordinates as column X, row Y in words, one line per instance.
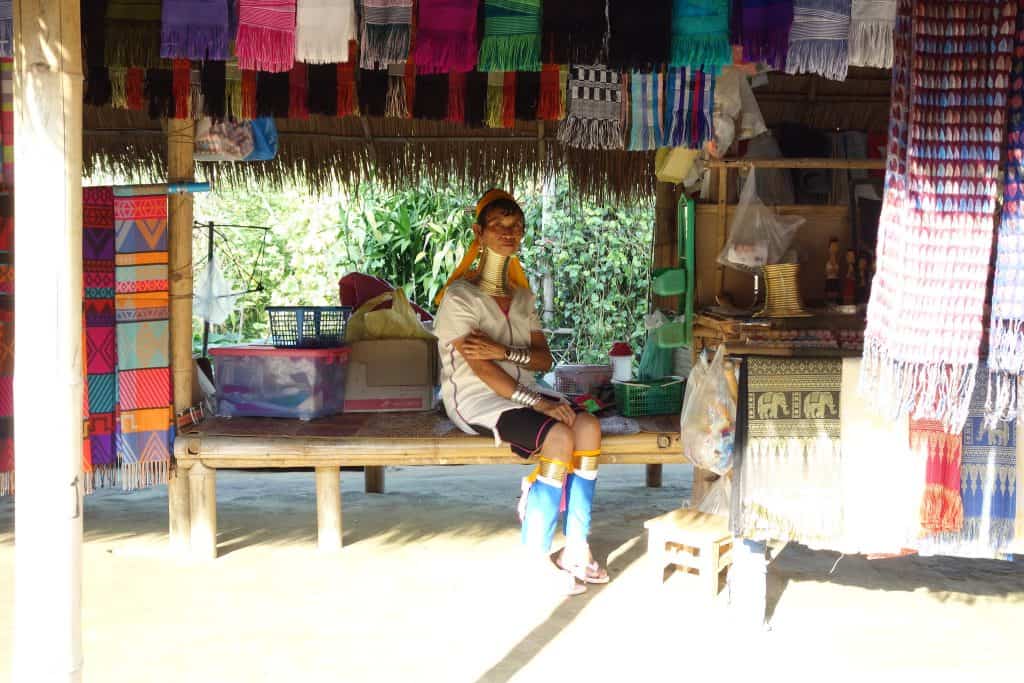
column 863, row 279
column 832, row 272
column 850, row 279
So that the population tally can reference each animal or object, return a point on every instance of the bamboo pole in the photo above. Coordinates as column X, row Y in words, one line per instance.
column 48, row 338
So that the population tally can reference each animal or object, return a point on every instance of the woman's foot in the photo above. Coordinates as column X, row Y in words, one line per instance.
column 582, row 566
column 550, row 579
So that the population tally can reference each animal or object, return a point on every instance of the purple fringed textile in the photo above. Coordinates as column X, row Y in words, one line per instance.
column 194, row 29
column 764, row 30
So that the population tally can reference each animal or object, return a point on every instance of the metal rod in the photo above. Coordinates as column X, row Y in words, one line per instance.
column 160, row 188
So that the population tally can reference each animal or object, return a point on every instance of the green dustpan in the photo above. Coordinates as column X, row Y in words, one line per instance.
column 679, row 281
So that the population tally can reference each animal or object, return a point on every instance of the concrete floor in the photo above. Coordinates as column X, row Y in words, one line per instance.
column 427, row 589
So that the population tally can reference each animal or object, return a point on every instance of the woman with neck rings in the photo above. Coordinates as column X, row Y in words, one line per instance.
column 491, row 344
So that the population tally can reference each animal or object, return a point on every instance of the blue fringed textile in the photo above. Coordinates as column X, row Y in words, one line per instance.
column 646, row 111
column 691, row 101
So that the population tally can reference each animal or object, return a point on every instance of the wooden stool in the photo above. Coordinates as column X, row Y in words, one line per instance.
column 698, row 542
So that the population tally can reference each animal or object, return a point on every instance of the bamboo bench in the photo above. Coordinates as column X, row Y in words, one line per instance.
column 373, row 441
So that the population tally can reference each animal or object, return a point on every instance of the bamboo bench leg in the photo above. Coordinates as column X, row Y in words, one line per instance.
column 654, row 476
column 328, row 508
column 179, row 514
column 374, row 478
column 202, row 482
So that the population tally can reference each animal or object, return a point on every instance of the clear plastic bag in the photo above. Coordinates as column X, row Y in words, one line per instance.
column 398, row 322
column 758, row 236
column 718, row 497
column 708, row 421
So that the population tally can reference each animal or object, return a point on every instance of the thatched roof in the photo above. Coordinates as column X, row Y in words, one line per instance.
column 322, row 151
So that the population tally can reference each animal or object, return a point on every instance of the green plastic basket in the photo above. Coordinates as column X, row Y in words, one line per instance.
column 661, row 397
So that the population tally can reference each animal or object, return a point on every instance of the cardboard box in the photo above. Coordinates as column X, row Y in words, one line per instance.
column 391, row 375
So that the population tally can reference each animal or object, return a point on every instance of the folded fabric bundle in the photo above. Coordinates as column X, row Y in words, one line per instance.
column 691, row 101
column 385, row 34
column 700, row 34
column 323, row 29
column 647, row 111
column 871, row 24
column 819, row 38
column 133, row 33
column 527, row 95
column 764, row 27
column 194, row 29
column 223, row 140
column 266, row 35
column 272, row 94
column 574, row 32
column 373, row 91
column 640, row 34
column 511, row 40
column 431, row 101
column 446, row 36
column 322, row 94
column 594, row 118
column 213, row 77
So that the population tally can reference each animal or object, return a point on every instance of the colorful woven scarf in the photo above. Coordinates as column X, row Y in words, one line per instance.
column 298, row 92
column 924, row 323
column 511, row 39
column 133, row 33
column 941, row 507
column 348, row 99
column 386, row 31
column 871, row 24
column 792, row 458
column 574, row 32
column 6, row 28
column 100, row 337
column 594, row 119
column 194, row 29
column 323, row 29
column 646, row 111
column 819, row 38
column 1006, row 335
column 266, row 35
column 700, row 34
column 6, row 339
column 691, row 103
column 446, row 36
column 553, row 81
column 501, row 99
column 764, row 31
column 145, row 409
column 640, row 34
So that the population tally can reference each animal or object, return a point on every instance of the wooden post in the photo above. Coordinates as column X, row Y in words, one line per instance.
column 328, row 508
column 48, row 337
column 374, row 478
column 180, row 168
column 202, row 483
column 722, row 224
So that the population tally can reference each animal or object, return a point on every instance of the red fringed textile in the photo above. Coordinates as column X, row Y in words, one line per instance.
column 182, row 88
column 298, row 85
column 248, row 95
column 133, row 88
column 942, row 508
column 550, row 107
column 508, row 109
column 456, row 97
column 410, row 85
column 347, row 102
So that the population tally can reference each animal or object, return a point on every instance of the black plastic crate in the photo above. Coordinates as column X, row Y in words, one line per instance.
column 308, row 327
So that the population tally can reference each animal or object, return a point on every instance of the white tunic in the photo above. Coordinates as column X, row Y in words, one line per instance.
column 468, row 400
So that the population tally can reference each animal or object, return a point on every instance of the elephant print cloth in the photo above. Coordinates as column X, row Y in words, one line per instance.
column 791, row 466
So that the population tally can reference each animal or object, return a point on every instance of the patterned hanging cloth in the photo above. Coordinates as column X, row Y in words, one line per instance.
column 871, row 24
column 511, row 39
column 145, row 410
column 700, row 34
column 764, row 27
column 6, row 28
column 574, row 32
column 348, row 99
column 640, row 34
column 691, row 104
column 594, row 119
column 1006, row 334
column 647, row 111
column 924, row 327
column 446, row 36
column 501, row 97
column 6, row 335
column 266, row 35
column 194, row 29
column 323, row 29
column 386, row 32
column 819, row 38
column 133, row 33
column 941, row 507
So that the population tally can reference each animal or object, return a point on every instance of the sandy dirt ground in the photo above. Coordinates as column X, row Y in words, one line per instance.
column 427, row 589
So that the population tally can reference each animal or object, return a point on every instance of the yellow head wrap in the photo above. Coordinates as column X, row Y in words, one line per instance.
column 516, row 274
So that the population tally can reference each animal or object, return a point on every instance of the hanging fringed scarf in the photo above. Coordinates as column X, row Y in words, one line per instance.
column 272, row 94
column 348, row 99
column 942, row 507
column 552, row 95
column 266, row 35
column 401, row 91
column 197, row 101
column 594, row 119
column 476, row 98
column 118, row 87
column 691, row 104
column 158, row 91
column 431, row 101
column 647, row 111
column 700, row 34
column 181, row 87
column 373, row 92
column 527, row 95
column 6, row 307
column 456, row 110
column 819, row 38
column 386, row 32
column 98, row 90
column 446, row 36
column 924, row 323
column 135, row 88
column 133, row 33
column 640, row 34
column 764, row 27
column 501, row 99
column 214, row 84
column 323, row 29
column 1006, row 335
column 511, row 39
column 250, row 83
column 574, row 32
column 322, row 95
column 871, row 24
column 298, row 90
column 194, row 29
column 6, row 28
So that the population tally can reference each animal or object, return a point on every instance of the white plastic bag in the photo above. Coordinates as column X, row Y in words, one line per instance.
column 707, row 424
column 718, row 497
column 757, row 235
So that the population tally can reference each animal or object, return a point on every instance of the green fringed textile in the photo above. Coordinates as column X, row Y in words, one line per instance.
column 133, row 33
column 512, row 36
column 700, row 34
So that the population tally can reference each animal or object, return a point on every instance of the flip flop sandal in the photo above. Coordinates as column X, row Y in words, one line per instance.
column 587, row 573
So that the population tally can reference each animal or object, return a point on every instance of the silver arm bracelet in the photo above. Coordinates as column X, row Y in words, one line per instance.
column 525, row 396
column 519, row 355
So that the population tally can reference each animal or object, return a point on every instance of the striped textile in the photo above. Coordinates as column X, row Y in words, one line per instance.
column 819, row 38
column 323, row 29
column 594, row 119
column 690, row 110
column 6, row 345
column 145, row 408
column 6, row 28
column 871, row 25
column 386, row 33
column 646, row 111
column 512, row 36
column 266, row 35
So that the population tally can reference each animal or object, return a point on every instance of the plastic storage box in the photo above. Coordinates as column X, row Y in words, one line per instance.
column 581, row 379
column 262, row 381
